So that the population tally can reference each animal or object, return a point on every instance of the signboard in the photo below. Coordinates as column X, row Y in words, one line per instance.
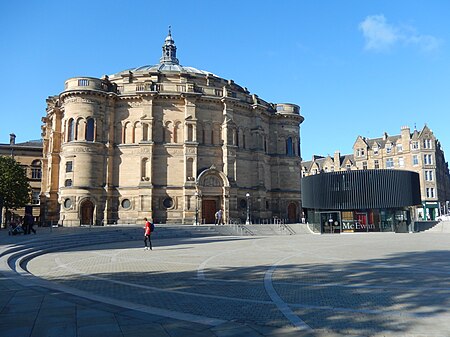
column 356, row 226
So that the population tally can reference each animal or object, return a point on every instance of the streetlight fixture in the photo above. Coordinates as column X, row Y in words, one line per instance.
column 248, row 222
column 196, row 208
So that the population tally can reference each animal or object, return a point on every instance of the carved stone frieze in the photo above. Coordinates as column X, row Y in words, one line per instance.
column 79, row 149
column 212, row 181
column 79, row 100
column 191, row 150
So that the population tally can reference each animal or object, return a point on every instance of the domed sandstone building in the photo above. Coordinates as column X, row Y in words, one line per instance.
column 169, row 142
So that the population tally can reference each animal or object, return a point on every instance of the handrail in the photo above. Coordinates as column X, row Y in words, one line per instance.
column 243, row 227
column 284, row 226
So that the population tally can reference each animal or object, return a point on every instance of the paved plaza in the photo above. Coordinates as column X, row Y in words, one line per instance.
column 378, row 284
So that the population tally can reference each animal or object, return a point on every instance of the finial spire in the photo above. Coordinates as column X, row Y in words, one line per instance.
column 169, row 55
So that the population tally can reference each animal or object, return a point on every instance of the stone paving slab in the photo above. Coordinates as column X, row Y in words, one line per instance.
column 330, row 285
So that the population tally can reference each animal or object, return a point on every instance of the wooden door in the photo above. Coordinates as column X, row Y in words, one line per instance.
column 87, row 213
column 292, row 213
column 209, row 208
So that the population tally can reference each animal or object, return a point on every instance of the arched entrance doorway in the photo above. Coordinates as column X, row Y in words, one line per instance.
column 292, row 212
column 87, row 213
column 213, row 187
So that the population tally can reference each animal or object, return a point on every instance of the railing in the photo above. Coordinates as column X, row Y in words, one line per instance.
column 284, row 227
column 246, row 230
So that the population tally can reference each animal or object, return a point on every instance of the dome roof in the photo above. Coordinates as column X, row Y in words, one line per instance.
column 168, row 62
column 176, row 68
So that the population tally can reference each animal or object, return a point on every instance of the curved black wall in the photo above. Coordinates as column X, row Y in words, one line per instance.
column 361, row 189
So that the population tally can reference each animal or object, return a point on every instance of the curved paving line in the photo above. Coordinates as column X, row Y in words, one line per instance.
column 281, row 305
column 202, row 266
column 13, row 264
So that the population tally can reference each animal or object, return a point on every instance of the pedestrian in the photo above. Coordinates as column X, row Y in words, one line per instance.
column 28, row 221
column 219, row 216
column 148, row 231
column 24, row 223
column 216, row 218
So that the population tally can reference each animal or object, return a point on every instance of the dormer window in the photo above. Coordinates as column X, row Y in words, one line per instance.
column 415, row 145
column 375, row 150
column 389, row 148
column 399, row 148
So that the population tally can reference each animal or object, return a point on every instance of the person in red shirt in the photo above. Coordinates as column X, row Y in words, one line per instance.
column 147, row 233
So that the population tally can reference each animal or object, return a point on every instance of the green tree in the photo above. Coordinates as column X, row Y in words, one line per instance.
column 15, row 190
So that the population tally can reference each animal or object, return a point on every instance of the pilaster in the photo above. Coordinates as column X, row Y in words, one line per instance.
column 229, row 141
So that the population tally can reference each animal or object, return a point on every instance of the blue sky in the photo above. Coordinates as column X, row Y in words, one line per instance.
column 355, row 67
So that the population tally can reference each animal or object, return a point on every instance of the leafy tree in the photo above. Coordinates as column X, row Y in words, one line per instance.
column 14, row 187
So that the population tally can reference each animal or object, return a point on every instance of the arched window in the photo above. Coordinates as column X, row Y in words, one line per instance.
column 190, row 129
column 189, row 168
column 168, row 132
column 70, row 130
column 289, row 147
column 177, row 132
column 144, row 132
column 90, row 127
column 80, row 129
column 36, row 172
column 128, row 133
column 137, row 132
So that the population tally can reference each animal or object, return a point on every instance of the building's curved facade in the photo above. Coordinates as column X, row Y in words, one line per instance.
column 363, row 200
column 164, row 141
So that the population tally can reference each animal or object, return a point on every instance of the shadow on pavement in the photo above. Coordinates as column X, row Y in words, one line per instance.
column 397, row 294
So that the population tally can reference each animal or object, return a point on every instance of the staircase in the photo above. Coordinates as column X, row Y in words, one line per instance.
column 439, row 227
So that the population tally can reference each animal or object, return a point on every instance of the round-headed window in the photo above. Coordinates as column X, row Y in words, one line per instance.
column 126, row 203
column 67, row 203
column 168, row 202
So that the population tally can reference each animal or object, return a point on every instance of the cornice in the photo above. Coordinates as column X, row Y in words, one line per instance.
column 97, row 93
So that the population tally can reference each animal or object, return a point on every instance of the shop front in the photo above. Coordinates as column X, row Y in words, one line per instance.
column 362, row 221
column 361, row 201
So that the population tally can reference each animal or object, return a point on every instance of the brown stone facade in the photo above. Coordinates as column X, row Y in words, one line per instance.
column 167, row 142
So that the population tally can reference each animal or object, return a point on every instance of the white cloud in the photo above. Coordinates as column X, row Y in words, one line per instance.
column 380, row 35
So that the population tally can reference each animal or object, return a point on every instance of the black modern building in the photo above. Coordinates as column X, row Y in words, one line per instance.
column 361, row 200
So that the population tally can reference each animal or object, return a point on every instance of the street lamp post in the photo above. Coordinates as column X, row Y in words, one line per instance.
column 247, row 222
column 196, row 208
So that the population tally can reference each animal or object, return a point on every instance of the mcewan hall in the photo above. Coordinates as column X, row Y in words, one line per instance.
column 168, row 142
